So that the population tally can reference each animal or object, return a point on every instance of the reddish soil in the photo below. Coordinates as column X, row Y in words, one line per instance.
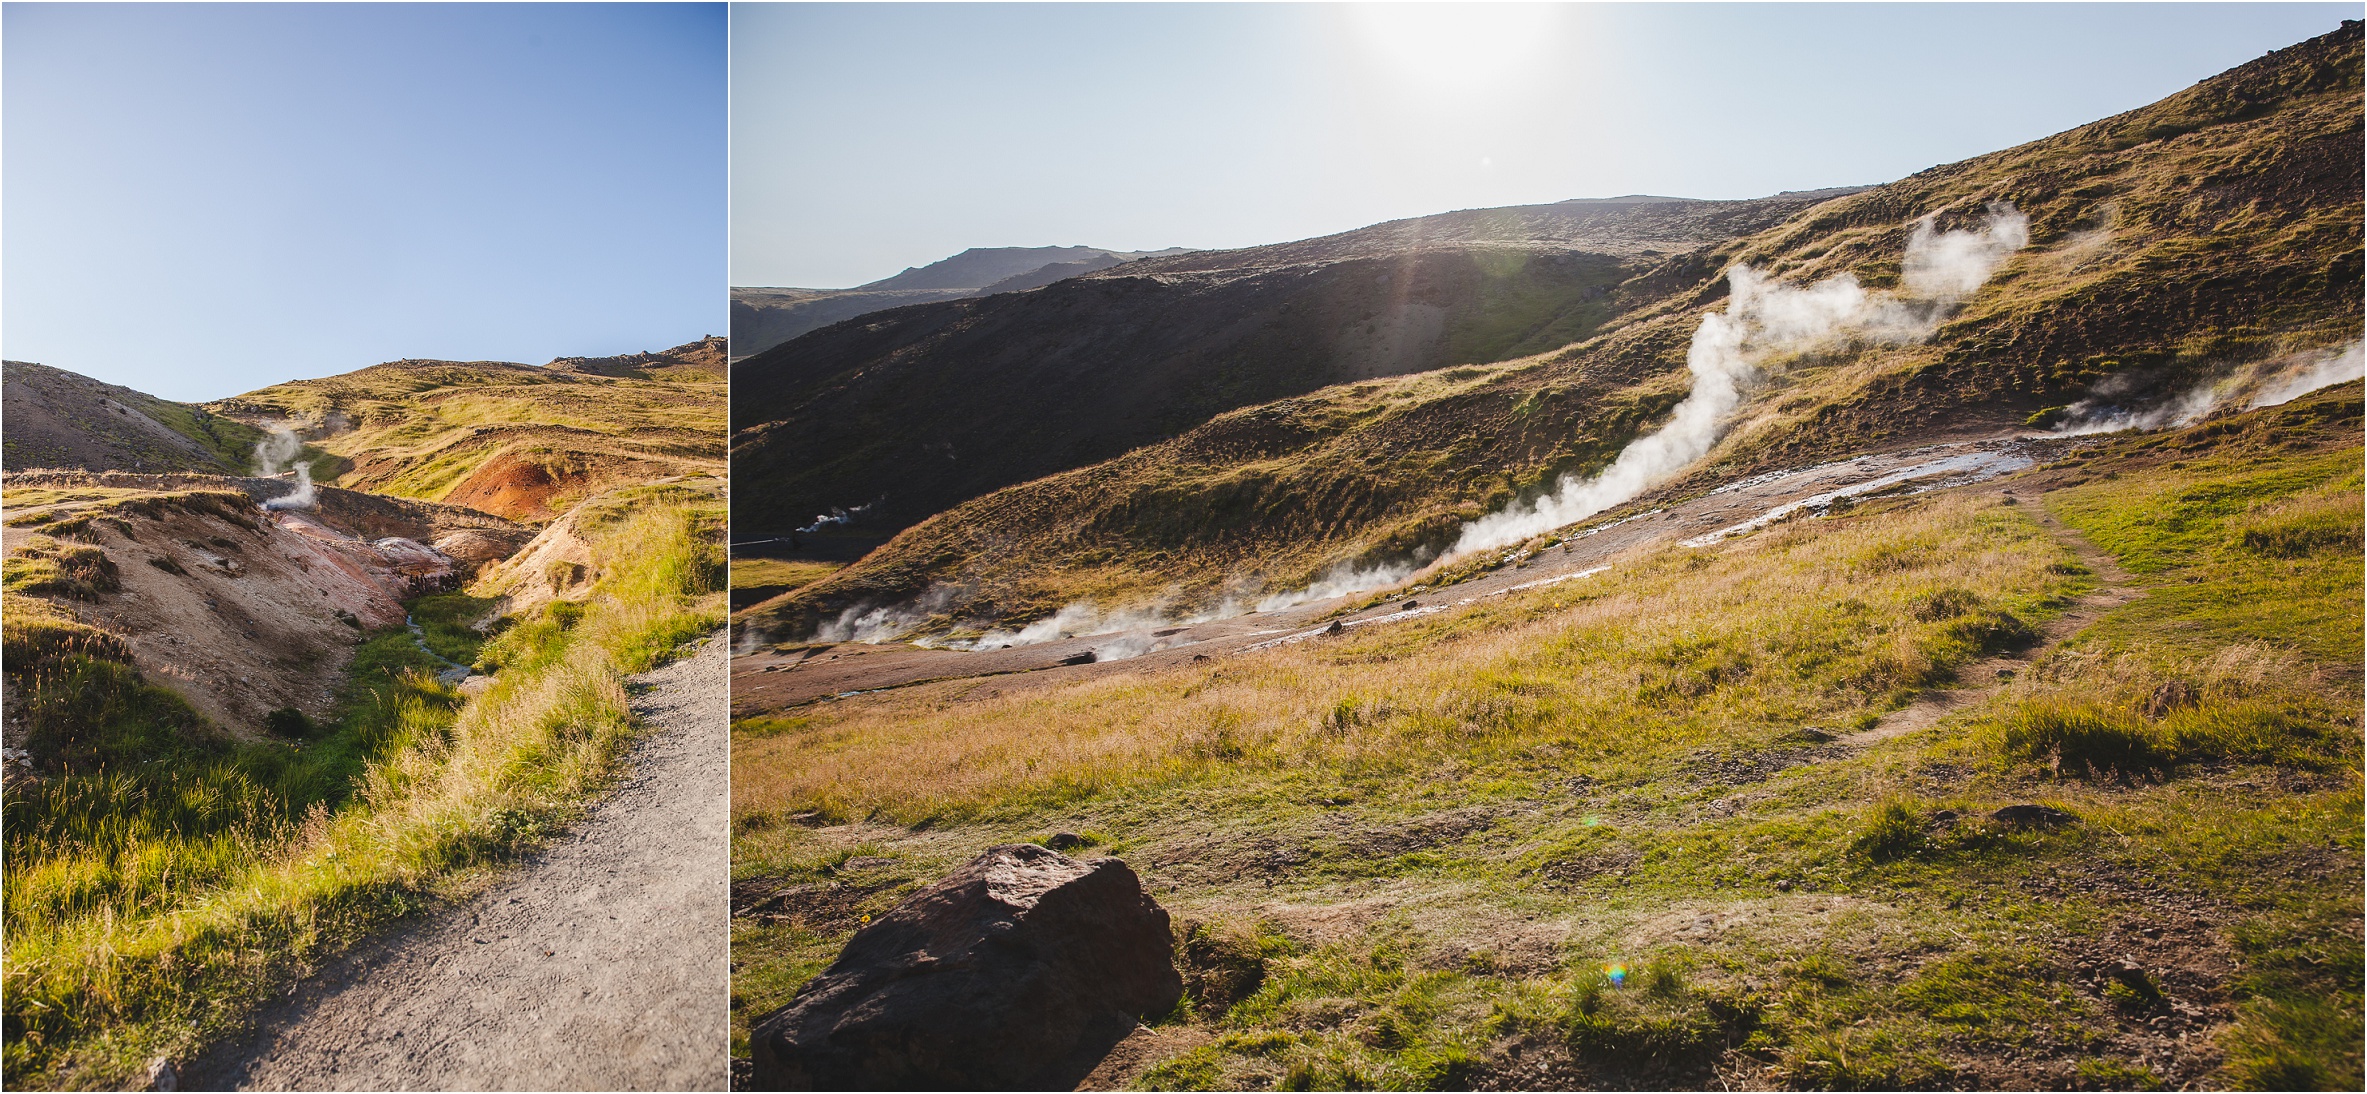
column 515, row 487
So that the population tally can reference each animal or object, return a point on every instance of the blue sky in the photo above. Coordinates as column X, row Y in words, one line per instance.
column 205, row 199
column 867, row 138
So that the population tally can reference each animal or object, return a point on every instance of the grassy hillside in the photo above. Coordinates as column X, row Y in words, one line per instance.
column 514, row 440
column 2053, row 782
column 2218, row 227
column 60, row 419
column 165, row 875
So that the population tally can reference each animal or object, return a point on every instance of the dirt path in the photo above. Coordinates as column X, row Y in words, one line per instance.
column 601, row 963
column 1981, row 679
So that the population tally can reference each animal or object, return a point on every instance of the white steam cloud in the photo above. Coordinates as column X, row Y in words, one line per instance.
column 1763, row 317
column 2110, row 408
column 870, row 623
column 1950, row 266
column 837, row 515
column 2327, row 369
column 275, row 455
column 1344, row 580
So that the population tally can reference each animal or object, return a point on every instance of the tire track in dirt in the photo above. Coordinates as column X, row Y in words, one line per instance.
column 601, row 963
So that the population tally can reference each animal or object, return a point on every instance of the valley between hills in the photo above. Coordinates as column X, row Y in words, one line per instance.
column 1899, row 637
column 290, row 670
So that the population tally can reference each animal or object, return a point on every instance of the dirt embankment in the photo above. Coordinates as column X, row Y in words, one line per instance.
column 538, row 485
column 602, row 964
column 238, row 610
column 557, row 564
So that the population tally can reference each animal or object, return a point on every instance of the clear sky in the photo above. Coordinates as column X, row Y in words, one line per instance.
column 867, row 138
column 205, row 199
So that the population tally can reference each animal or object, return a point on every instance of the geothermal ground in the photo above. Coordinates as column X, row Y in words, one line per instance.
column 774, row 680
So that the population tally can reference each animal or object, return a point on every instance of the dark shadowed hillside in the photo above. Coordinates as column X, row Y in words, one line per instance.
column 925, row 407
column 762, row 318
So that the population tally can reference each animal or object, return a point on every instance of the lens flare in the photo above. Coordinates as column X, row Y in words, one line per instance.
column 1615, row 973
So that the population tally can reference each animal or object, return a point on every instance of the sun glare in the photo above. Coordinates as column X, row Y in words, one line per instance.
column 1473, row 47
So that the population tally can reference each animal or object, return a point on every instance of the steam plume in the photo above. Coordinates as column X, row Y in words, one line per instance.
column 2111, row 407
column 1765, row 316
column 274, row 455
column 2330, row 368
column 837, row 515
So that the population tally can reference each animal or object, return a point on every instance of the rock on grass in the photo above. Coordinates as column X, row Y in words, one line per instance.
column 1017, row 971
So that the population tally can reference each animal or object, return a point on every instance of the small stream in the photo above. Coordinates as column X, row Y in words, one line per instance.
column 450, row 676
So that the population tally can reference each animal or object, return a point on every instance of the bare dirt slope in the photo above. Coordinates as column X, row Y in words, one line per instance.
column 601, row 964
column 238, row 610
column 58, row 418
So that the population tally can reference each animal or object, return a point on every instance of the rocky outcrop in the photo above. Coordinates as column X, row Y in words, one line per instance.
column 1017, row 971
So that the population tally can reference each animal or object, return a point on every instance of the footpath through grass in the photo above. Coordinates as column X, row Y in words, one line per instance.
column 170, row 880
column 1618, row 833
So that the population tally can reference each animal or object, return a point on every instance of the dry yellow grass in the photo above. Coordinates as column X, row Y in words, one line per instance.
column 752, row 573
column 1670, row 647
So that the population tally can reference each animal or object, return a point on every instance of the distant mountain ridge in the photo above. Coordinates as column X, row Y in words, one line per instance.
column 764, row 317
column 515, row 440
column 982, row 267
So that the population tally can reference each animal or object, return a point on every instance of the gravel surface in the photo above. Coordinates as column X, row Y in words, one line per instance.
column 601, row 963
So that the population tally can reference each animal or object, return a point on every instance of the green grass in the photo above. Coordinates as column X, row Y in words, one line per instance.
column 448, row 623
column 753, row 573
column 45, row 567
column 165, row 879
column 1451, row 828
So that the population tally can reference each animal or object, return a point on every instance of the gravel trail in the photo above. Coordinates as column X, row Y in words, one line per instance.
column 602, row 962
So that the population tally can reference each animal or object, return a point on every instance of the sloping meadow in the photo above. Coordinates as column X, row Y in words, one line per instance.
column 2053, row 781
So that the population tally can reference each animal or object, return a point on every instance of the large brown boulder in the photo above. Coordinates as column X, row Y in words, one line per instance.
column 1018, row 971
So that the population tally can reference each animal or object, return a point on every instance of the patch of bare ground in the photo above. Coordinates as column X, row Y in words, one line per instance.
column 1142, row 1049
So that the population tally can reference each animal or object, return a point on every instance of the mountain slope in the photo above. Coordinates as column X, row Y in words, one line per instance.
column 762, row 318
column 691, row 362
column 62, row 419
column 925, row 407
column 2216, row 229
column 510, row 439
